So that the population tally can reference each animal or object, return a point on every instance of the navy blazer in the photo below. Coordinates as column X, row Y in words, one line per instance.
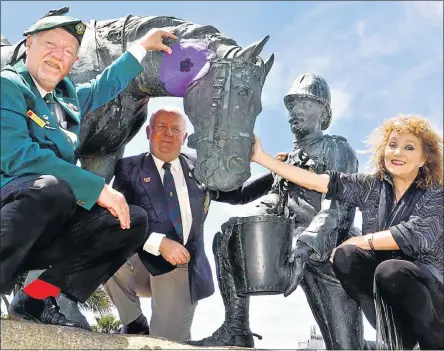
column 138, row 179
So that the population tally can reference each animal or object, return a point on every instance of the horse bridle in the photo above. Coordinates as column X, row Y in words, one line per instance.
column 220, row 100
column 218, row 115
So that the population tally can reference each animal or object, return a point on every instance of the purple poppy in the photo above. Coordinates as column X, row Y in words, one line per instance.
column 189, row 61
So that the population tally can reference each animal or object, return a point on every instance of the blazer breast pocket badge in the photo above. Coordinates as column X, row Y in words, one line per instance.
column 42, row 123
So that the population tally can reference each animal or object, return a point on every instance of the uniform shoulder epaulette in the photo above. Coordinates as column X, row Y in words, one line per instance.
column 338, row 137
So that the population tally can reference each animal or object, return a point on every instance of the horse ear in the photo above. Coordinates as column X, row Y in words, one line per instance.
column 58, row 12
column 269, row 64
column 4, row 41
column 254, row 49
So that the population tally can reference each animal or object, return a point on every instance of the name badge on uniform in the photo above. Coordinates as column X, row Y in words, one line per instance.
column 40, row 122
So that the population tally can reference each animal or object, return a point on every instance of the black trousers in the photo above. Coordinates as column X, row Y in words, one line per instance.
column 43, row 228
column 414, row 294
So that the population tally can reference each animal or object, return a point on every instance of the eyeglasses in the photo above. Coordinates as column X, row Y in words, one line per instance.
column 163, row 128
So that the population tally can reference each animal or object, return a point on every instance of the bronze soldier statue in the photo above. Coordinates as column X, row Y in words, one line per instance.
column 289, row 240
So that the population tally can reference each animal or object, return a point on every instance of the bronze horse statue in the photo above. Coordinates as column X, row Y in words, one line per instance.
column 222, row 104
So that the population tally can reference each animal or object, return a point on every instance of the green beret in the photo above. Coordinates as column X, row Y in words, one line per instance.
column 72, row 25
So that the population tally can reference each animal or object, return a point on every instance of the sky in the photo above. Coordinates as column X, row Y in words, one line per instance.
column 380, row 59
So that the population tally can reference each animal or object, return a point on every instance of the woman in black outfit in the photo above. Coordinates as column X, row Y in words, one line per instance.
column 399, row 257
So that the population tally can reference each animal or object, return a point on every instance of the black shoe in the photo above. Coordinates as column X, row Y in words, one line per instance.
column 138, row 326
column 228, row 336
column 44, row 311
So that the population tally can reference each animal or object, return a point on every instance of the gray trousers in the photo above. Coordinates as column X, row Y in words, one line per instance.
column 172, row 312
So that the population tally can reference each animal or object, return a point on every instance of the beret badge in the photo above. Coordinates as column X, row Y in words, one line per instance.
column 80, row 28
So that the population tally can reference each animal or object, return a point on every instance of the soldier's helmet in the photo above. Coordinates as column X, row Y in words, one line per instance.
column 314, row 87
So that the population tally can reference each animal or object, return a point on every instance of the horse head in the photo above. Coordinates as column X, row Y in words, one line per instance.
column 222, row 98
column 223, row 106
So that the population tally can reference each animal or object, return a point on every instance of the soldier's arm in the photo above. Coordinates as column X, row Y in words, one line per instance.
column 249, row 191
column 342, row 158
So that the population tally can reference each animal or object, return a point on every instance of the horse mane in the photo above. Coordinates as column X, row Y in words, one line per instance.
column 135, row 26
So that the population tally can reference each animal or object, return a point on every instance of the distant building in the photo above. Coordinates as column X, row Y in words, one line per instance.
column 315, row 342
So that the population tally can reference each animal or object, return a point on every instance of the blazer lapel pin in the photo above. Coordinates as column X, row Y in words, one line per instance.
column 147, row 179
column 72, row 107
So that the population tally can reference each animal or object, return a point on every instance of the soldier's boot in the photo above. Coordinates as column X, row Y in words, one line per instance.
column 235, row 330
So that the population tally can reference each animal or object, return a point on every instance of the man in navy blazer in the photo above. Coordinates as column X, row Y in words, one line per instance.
column 172, row 267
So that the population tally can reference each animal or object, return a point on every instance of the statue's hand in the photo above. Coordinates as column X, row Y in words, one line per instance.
column 228, row 225
column 296, row 261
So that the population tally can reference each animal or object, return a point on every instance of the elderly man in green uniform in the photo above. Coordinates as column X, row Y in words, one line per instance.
column 55, row 215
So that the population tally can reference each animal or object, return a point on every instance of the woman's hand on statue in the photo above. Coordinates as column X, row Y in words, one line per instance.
column 115, row 203
column 153, row 40
column 257, row 150
column 281, row 156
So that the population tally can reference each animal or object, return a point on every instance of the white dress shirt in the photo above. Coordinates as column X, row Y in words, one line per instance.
column 137, row 50
column 153, row 243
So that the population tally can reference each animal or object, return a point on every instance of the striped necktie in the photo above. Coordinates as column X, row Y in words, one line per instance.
column 172, row 200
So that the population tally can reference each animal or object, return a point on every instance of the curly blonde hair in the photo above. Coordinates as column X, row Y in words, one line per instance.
column 431, row 174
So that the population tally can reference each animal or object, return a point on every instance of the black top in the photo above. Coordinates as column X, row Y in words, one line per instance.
column 415, row 222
